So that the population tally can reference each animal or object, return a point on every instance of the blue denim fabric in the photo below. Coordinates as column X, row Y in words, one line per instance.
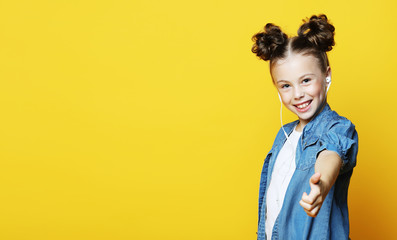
column 328, row 131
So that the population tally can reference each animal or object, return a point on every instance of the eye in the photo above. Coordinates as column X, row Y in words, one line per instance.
column 306, row 80
column 285, row 86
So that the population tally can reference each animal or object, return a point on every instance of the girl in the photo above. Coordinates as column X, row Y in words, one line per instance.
column 306, row 174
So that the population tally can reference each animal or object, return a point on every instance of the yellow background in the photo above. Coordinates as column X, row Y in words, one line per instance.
column 151, row 119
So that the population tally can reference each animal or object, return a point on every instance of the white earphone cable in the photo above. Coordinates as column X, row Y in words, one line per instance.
column 281, row 121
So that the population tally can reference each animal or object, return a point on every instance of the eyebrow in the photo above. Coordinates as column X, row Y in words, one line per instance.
column 304, row 75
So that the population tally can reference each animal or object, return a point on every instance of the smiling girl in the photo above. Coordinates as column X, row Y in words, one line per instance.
column 306, row 174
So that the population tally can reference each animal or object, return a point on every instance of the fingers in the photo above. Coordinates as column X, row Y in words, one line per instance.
column 309, row 205
column 314, row 194
column 309, row 200
column 314, row 211
column 311, row 210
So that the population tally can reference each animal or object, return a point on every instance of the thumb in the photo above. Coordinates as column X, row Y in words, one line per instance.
column 315, row 178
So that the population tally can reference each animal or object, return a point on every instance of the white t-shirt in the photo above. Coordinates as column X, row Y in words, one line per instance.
column 283, row 169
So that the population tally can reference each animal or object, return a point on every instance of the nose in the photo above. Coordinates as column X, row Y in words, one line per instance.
column 298, row 92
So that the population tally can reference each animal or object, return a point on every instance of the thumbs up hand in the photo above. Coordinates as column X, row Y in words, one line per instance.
column 327, row 169
column 312, row 203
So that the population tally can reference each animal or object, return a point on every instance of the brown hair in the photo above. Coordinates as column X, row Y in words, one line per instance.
column 315, row 38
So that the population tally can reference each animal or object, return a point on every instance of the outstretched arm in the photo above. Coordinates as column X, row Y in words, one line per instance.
column 327, row 168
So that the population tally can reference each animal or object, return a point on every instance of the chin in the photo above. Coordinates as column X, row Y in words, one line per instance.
column 306, row 116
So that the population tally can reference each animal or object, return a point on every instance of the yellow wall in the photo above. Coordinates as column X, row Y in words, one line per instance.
column 151, row 119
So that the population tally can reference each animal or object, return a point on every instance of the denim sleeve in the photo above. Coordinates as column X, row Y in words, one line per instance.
column 341, row 138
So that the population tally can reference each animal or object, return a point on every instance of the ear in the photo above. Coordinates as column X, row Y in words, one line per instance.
column 328, row 74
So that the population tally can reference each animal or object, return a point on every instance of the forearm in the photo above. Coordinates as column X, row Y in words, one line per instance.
column 328, row 163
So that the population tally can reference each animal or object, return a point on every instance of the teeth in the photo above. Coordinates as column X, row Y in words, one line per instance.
column 303, row 105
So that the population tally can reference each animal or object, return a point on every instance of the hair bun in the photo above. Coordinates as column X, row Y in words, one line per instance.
column 319, row 32
column 267, row 42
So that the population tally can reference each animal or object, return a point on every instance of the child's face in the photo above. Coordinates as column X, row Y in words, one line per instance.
column 301, row 85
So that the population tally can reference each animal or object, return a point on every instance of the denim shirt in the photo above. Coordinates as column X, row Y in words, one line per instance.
column 328, row 131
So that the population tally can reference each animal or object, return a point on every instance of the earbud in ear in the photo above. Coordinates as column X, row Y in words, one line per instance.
column 328, row 79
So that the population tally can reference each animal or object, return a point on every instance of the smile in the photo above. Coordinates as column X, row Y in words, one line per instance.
column 303, row 107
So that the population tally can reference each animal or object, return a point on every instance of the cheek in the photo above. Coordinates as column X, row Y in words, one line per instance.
column 316, row 90
column 285, row 97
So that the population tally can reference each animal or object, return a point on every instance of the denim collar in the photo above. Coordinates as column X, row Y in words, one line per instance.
column 311, row 126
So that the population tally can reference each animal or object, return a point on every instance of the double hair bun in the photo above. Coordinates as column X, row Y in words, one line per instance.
column 315, row 33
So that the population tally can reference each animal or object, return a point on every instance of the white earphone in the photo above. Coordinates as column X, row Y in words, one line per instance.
column 328, row 80
column 281, row 118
